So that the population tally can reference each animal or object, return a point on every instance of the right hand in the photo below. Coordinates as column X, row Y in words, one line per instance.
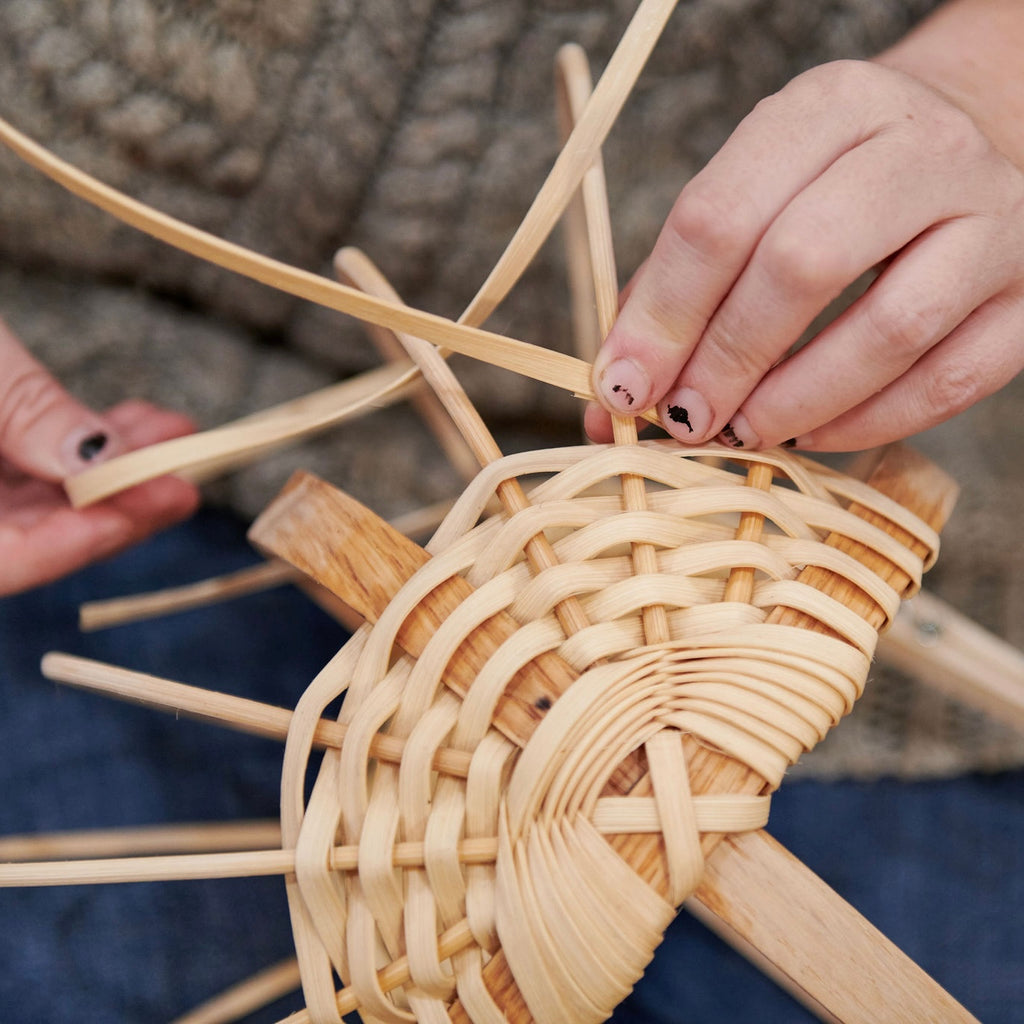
column 853, row 165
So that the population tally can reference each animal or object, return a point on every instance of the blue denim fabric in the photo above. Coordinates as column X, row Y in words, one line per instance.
column 937, row 866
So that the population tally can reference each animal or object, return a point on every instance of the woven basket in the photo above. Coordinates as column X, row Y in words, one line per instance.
column 530, row 806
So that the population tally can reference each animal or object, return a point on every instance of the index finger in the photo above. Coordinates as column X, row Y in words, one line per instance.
column 716, row 224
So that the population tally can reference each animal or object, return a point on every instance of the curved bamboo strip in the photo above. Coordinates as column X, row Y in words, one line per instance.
column 259, row 990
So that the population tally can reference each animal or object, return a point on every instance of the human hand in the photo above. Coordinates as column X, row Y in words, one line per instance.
column 45, row 435
column 851, row 166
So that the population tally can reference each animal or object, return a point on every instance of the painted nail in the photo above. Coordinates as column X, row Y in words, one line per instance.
column 685, row 415
column 89, row 447
column 625, row 386
column 85, row 447
column 737, row 433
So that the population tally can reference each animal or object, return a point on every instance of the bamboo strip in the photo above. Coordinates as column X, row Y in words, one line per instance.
column 520, row 357
column 247, row 855
column 947, row 650
column 197, row 866
column 238, row 713
column 118, row 611
column 577, row 155
column 354, row 269
column 573, row 74
column 204, row 455
column 358, row 268
column 259, row 990
column 159, row 868
column 586, row 330
column 195, row 837
column 94, row 615
column 740, row 585
column 826, row 949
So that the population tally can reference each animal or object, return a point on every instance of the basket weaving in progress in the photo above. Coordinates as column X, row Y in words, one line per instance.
column 564, row 717
column 552, row 798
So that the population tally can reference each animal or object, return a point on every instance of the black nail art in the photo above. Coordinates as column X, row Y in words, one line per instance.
column 729, row 436
column 89, row 447
column 618, row 387
column 677, row 414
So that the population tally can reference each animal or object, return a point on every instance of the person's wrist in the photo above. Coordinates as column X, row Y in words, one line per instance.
column 969, row 54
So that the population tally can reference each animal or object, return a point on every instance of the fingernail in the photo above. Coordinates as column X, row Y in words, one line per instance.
column 685, row 415
column 90, row 447
column 737, row 433
column 85, row 447
column 625, row 386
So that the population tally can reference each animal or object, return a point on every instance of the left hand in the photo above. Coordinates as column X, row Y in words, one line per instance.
column 43, row 538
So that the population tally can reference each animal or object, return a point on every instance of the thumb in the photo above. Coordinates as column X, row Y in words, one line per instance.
column 44, row 431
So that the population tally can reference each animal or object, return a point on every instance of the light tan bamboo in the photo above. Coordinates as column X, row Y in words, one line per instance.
column 238, row 713
column 945, row 649
column 352, row 271
column 259, row 990
column 118, row 611
column 574, row 93
column 240, row 852
column 825, row 947
column 900, row 474
column 95, row 615
column 358, row 268
column 194, row 837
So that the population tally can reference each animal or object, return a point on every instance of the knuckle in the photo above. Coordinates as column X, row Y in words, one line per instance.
column 799, row 265
column 952, row 388
column 733, row 355
column 708, row 222
column 28, row 397
column 904, row 329
column 953, row 131
column 846, row 82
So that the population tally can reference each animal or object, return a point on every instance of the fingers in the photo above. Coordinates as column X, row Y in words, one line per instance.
column 840, row 226
column 848, row 168
column 709, row 237
column 43, row 430
column 978, row 358
column 64, row 539
column 916, row 303
column 42, row 538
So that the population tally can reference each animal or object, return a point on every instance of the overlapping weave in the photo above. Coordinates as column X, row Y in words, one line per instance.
column 519, row 858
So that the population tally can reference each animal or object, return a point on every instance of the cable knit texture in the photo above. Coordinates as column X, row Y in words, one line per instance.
column 418, row 130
